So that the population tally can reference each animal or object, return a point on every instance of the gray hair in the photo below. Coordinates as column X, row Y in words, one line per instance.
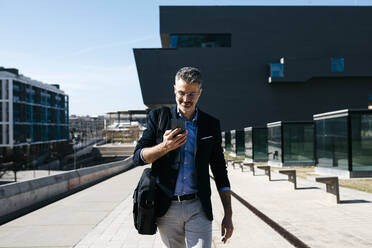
column 190, row 75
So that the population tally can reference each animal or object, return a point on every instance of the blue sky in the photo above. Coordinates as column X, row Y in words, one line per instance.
column 86, row 45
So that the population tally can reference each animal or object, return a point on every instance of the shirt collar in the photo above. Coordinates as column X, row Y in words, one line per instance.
column 195, row 116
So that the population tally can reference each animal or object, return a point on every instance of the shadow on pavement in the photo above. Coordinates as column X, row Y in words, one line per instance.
column 307, row 188
column 353, row 201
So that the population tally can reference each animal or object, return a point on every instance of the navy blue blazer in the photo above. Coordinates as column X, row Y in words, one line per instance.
column 209, row 153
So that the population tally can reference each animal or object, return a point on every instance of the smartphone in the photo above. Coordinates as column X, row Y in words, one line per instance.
column 177, row 123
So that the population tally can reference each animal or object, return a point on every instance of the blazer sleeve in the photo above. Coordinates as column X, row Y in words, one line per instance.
column 148, row 138
column 217, row 161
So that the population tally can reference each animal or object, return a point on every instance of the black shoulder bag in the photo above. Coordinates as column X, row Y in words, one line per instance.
column 145, row 193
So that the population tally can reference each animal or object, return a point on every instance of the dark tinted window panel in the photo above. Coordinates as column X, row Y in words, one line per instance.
column 260, row 144
column 298, row 142
column 277, row 70
column 227, row 141
column 200, row 40
column 275, row 144
column 361, row 138
column 233, row 144
column 248, row 143
column 337, row 64
column 332, row 142
column 239, row 143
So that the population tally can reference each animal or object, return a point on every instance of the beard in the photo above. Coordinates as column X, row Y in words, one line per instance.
column 186, row 106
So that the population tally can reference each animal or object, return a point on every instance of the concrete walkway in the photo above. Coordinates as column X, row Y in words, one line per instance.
column 101, row 216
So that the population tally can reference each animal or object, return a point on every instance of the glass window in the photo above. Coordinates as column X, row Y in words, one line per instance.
column 298, row 143
column 37, row 98
column 58, row 132
column 66, row 133
column 332, row 142
column 29, row 113
column 49, row 99
column 20, row 133
column 16, row 98
column 222, row 137
column 6, row 110
column 275, row 144
column 276, row 70
column 200, row 40
column 58, row 101
column 45, row 98
column 233, row 145
column 36, row 112
column 19, row 91
column 44, row 133
column 37, row 132
column 30, row 94
column 49, row 115
column 7, row 134
column 17, row 112
column 44, row 115
column 361, row 138
column 260, row 144
column 6, row 86
column 31, row 135
column 66, row 112
column 51, row 132
column 337, row 64
column 16, row 86
column 239, row 143
column 248, row 143
column 227, row 141
column 174, row 41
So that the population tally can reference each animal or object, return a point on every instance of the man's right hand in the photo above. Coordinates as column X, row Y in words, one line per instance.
column 172, row 142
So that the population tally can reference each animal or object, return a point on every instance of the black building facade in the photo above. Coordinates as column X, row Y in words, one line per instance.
column 263, row 63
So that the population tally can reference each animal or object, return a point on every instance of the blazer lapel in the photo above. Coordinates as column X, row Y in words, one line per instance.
column 199, row 133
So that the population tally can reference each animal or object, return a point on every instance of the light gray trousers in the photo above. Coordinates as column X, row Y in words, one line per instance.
column 185, row 225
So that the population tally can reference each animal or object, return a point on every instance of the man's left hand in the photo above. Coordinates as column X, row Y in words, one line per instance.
column 227, row 228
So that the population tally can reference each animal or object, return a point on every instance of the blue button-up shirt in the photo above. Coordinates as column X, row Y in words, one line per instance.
column 186, row 181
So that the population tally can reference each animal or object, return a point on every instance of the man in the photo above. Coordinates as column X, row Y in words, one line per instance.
column 181, row 164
